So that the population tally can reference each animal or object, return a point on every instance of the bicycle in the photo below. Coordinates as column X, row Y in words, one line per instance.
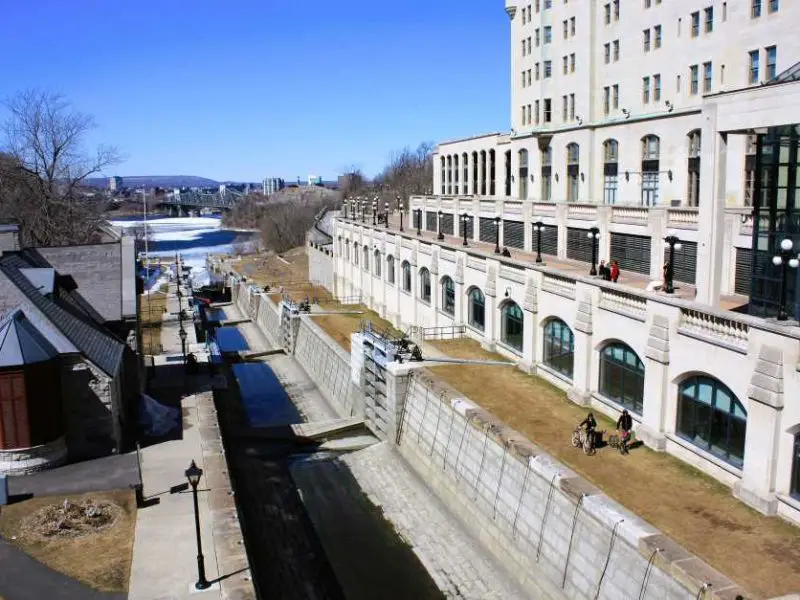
column 616, row 441
column 582, row 439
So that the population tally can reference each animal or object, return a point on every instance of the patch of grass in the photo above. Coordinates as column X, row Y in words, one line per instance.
column 760, row 553
column 339, row 327
column 151, row 315
column 101, row 559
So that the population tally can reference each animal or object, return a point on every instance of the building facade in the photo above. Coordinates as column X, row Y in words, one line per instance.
column 115, row 183
column 273, row 185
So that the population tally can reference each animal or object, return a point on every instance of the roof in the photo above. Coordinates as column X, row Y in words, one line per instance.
column 21, row 343
column 64, row 309
column 790, row 74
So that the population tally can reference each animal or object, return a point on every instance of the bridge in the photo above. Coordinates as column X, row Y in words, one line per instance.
column 189, row 199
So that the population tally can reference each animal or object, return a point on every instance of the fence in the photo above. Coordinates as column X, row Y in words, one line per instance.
column 447, row 332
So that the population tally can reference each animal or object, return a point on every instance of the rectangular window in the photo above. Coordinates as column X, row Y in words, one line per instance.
column 548, row 34
column 548, row 4
column 564, row 108
column 772, row 62
column 707, row 74
column 678, row 84
column 524, row 48
column 606, row 100
column 572, row 107
column 616, row 50
column 565, row 25
column 615, row 91
column 524, row 79
column 548, row 111
column 529, row 44
column 610, row 185
column 657, row 88
column 572, row 63
column 709, row 12
column 572, row 26
column 657, row 36
column 522, row 109
column 755, row 9
column 607, row 14
column 645, row 90
column 647, row 3
column 536, row 70
column 536, row 36
column 694, row 73
column 538, row 8
column 548, row 69
column 536, row 114
column 529, row 114
column 524, row 15
column 607, row 52
column 724, row 11
column 774, row 5
column 695, row 24
column 616, row 10
column 565, row 66
column 754, row 59
column 646, row 40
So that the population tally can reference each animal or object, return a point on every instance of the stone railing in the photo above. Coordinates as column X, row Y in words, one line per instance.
column 513, row 209
column 624, row 303
column 683, row 218
column 561, row 286
column 582, row 212
column 630, row 214
column 717, row 329
column 544, row 209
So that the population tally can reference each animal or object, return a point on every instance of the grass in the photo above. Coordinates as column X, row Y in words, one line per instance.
column 760, row 553
column 339, row 327
column 101, row 560
column 151, row 313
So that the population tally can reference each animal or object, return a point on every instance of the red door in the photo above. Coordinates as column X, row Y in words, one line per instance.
column 14, row 428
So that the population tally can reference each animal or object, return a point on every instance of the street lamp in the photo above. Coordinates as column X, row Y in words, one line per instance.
column 464, row 221
column 363, row 209
column 386, row 213
column 440, row 236
column 400, row 209
column 374, row 212
column 182, row 333
column 497, row 235
column 193, row 474
column 594, row 235
column 785, row 259
column 538, row 227
column 419, row 221
column 673, row 243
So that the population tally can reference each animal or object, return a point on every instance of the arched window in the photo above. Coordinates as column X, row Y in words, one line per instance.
column 523, row 174
column 547, row 174
column 511, row 325
column 366, row 258
column 573, row 170
column 651, row 152
column 711, row 417
column 406, row 268
column 449, row 174
column 474, row 173
column 484, row 173
column 465, row 166
column 390, row 268
column 443, row 174
column 377, row 263
column 425, row 284
column 455, row 174
column 477, row 309
column 622, row 376
column 448, row 296
column 610, row 171
column 355, row 252
column 559, row 347
column 693, row 168
column 347, row 249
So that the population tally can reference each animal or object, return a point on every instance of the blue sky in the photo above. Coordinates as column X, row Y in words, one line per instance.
column 239, row 89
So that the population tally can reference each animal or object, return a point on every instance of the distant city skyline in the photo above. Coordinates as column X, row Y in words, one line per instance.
column 348, row 87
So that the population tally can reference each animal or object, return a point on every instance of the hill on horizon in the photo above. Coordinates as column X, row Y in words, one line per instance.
column 150, row 181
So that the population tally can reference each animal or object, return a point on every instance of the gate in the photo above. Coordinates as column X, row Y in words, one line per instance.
column 513, row 234
column 632, row 252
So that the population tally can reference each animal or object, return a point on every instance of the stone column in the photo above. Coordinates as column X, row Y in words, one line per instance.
column 656, row 378
column 657, row 224
column 491, row 331
column 458, row 280
column 398, row 379
column 481, row 175
column 414, row 285
column 603, row 224
column 728, row 276
column 436, row 288
column 580, row 393
column 501, row 211
column 530, row 308
column 710, row 247
column 757, row 486
column 527, row 220
column 561, row 219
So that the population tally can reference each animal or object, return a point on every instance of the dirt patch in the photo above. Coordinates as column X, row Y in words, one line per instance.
column 695, row 510
column 95, row 550
column 151, row 315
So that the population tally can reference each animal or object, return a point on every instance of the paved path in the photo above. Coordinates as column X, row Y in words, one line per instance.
column 24, row 578
column 108, row 473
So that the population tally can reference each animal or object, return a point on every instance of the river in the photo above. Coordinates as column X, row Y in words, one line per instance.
column 193, row 237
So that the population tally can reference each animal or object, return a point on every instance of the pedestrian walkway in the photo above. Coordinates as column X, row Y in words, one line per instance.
column 165, row 549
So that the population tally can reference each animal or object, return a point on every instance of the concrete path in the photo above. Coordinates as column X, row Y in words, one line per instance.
column 24, row 578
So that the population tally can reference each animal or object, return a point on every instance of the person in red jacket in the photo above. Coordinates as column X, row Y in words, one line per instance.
column 614, row 271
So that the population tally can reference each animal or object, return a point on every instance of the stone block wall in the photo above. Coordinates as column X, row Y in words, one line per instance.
column 551, row 528
column 320, row 265
column 23, row 461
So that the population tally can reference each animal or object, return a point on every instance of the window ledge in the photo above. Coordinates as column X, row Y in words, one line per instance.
column 444, row 313
column 406, row 292
column 637, row 418
column 716, row 461
column 511, row 349
column 425, row 302
column 793, row 503
column 475, row 329
column 551, row 371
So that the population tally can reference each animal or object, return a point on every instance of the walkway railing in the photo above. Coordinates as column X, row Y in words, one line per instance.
column 447, row 332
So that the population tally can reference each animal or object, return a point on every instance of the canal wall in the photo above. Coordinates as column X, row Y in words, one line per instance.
column 320, row 264
column 550, row 528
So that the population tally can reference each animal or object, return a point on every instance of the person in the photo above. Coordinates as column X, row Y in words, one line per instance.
column 506, row 253
column 590, row 425
column 614, row 271
column 624, row 426
column 667, row 277
column 602, row 270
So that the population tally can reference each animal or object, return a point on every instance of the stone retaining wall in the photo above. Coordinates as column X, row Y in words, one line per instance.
column 22, row 461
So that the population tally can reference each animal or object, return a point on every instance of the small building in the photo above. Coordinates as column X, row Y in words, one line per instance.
column 114, row 183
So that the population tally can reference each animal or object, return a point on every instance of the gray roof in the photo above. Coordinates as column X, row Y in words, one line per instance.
column 63, row 308
column 21, row 343
column 790, row 74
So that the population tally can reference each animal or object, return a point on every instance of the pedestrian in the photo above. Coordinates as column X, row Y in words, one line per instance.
column 614, row 271
column 667, row 277
column 603, row 271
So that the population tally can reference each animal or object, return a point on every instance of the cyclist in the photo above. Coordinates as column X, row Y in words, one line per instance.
column 624, row 426
column 590, row 425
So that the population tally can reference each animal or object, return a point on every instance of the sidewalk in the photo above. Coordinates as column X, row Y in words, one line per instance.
column 165, row 551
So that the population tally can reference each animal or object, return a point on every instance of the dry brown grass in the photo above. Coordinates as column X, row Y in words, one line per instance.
column 760, row 553
column 101, row 559
column 151, row 314
column 339, row 327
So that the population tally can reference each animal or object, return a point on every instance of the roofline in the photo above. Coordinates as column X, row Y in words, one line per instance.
column 473, row 137
column 768, row 84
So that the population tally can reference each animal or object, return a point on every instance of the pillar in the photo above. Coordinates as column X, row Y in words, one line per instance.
column 491, row 316
column 657, row 224
column 604, row 225
column 527, row 220
column 561, row 220
column 656, row 378
column 530, row 311
column 580, row 393
column 710, row 247
column 481, row 173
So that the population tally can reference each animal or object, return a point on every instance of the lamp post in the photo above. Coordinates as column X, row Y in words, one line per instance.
column 386, row 213
column 374, row 213
column 401, row 209
column 785, row 259
column 182, row 333
column 464, row 221
column 193, row 474
column 673, row 243
column 344, row 205
column 497, row 235
column 594, row 235
column 363, row 209
column 538, row 227
column 440, row 235
column 419, row 221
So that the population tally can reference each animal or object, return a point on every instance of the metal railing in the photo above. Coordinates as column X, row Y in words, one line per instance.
column 446, row 332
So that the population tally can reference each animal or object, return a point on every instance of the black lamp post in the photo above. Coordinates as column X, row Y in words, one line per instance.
column 193, row 474
column 374, row 212
column 386, row 213
column 594, row 235
column 673, row 243
column 440, row 236
column 497, row 235
column 400, row 208
column 183, row 335
column 363, row 209
column 785, row 258
column 539, row 227
column 464, row 221
column 344, row 205
column 419, row 221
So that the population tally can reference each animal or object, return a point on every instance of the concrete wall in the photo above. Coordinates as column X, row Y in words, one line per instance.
column 320, row 265
column 552, row 529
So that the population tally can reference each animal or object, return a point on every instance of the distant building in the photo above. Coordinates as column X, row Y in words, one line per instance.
column 314, row 180
column 273, row 185
column 114, row 183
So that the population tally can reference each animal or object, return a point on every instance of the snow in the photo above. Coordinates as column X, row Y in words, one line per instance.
column 173, row 222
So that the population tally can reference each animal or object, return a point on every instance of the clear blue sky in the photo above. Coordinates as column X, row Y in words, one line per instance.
column 237, row 90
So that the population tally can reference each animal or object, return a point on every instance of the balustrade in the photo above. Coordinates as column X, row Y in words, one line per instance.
column 624, row 303
column 560, row 286
column 714, row 328
column 683, row 218
column 582, row 212
column 629, row 214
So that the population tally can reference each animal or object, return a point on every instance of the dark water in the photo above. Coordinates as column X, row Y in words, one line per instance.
column 264, row 399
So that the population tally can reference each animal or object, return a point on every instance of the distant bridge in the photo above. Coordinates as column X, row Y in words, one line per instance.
column 196, row 199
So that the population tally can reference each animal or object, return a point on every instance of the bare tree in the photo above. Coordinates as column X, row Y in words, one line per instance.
column 352, row 182
column 409, row 172
column 46, row 163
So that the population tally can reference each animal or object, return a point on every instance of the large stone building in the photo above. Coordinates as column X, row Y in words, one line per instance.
column 630, row 124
